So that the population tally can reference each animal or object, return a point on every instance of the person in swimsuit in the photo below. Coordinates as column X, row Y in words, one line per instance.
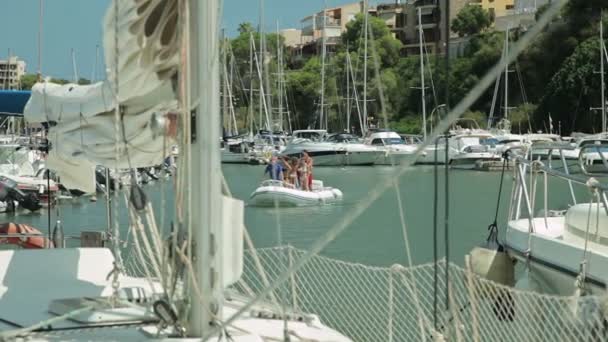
column 309, row 166
column 303, row 170
column 287, row 172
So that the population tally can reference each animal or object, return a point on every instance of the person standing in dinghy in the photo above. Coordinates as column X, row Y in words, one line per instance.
column 309, row 162
column 274, row 169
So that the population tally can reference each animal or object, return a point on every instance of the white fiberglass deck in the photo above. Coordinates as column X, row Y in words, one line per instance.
column 552, row 246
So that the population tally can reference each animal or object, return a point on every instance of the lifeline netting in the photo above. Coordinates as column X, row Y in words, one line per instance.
column 396, row 304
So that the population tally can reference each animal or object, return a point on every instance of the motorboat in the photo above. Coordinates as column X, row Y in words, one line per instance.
column 332, row 150
column 538, row 140
column 564, row 250
column 277, row 193
column 236, row 151
column 591, row 152
column 469, row 147
column 395, row 149
column 432, row 154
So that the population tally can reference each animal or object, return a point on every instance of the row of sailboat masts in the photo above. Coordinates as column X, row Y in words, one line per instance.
column 227, row 72
column 260, row 72
column 351, row 89
column 506, row 108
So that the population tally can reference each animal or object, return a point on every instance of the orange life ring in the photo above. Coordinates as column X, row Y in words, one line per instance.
column 34, row 240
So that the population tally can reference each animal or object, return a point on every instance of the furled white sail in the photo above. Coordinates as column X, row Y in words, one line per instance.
column 85, row 130
column 54, row 102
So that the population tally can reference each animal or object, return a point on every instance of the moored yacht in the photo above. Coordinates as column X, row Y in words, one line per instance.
column 563, row 250
column 591, row 152
column 331, row 150
column 395, row 149
column 469, row 147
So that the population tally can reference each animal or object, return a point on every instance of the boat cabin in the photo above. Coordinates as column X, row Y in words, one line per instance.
column 384, row 138
column 310, row 134
column 342, row 138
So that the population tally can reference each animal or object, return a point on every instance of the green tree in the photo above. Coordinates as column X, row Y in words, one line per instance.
column 245, row 28
column 304, row 85
column 572, row 91
column 471, row 20
column 28, row 81
column 385, row 45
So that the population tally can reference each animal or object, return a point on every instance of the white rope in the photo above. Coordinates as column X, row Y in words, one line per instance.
column 9, row 335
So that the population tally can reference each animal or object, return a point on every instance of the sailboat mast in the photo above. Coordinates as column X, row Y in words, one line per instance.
column 422, row 73
column 323, row 53
column 74, row 67
column 365, row 24
column 602, row 72
column 261, row 59
column 206, row 171
column 280, row 76
column 251, row 84
column 507, row 74
column 94, row 74
column 225, row 128
column 347, row 91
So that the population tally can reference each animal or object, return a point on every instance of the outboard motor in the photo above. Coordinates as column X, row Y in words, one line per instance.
column 10, row 193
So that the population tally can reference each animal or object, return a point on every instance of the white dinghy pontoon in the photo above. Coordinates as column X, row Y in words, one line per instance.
column 273, row 192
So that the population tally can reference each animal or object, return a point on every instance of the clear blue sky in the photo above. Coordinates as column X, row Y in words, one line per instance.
column 76, row 24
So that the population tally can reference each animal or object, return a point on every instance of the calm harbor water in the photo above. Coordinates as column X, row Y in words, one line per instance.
column 374, row 238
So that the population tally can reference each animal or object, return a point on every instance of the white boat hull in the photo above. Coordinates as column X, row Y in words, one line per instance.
column 554, row 262
column 427, row 157
column 269, row 196
column 395, row 158
column 468, row 161
column 342, row 157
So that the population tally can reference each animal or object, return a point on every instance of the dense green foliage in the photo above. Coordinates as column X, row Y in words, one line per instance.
column 471, row 20
column 556, row 75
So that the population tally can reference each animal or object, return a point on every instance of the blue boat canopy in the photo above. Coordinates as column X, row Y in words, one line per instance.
column 12, row 102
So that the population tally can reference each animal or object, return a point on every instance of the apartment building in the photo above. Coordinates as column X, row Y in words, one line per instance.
column 330, row 23
column 496, row 8
column 11, row 71
column 403, row 20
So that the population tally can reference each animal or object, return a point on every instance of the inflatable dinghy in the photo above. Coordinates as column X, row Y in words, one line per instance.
column 285, row 195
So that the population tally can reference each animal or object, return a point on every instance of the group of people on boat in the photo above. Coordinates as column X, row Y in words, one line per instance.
column 293, row 172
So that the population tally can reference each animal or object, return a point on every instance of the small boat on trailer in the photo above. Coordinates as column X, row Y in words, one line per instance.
column 273, row 192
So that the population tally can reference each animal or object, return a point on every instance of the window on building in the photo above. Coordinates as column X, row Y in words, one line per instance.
column 509, row 7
